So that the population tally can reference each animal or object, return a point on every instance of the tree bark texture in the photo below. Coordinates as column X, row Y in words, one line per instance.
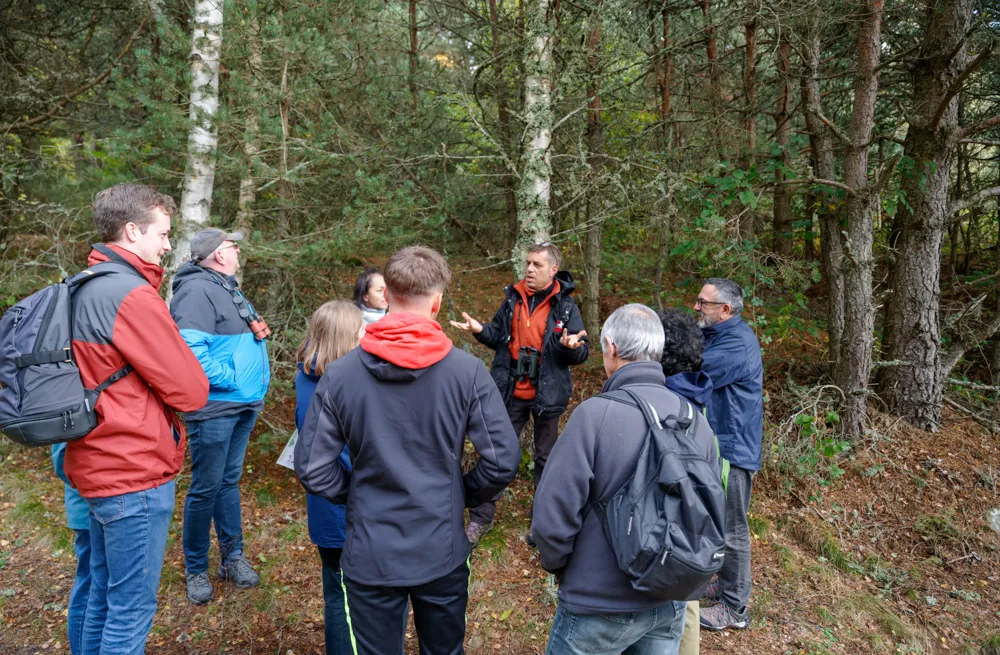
column 745, row 229
column 666, row 72
column 503, row 115
column 251, row 151
column 782, row 216
column 285, row 185
column 534, row 218
column 855, row 363
column 203, row 138
column 912, row 332
column 595, row 160
column 712, row 55
column 831, row 231
column 413, row 54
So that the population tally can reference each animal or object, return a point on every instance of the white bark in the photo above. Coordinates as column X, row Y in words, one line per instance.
column 199, row 177
column 534, row 220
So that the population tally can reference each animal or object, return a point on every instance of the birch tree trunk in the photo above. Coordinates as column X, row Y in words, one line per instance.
column 595, row 159
column 534, row 218
column 912, row 332
column 855, row 363
column 199, row 177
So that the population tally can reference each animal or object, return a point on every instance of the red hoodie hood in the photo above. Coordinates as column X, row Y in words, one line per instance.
column 152, row 272
column 406, row 340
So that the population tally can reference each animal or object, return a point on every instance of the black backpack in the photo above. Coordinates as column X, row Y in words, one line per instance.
column 667, row 524
column 42, row 397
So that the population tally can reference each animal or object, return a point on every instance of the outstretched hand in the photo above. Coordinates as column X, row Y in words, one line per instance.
column 470, row 324
column 572, row 341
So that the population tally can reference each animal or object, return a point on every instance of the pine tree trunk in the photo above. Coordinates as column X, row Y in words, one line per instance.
column 284, row 185
column 203, row 138
column 782, row 217
column 503, row 115
column 714, row 91
column 854, row 365
column 746, row 228
column 248, row 182
column 667, row 74
column 595, row 159
column 831, row 232
column 413, row 54
column 534, row 218
column 912, row 332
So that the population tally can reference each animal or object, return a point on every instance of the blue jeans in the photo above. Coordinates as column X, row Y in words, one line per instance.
column 128, row 536
column 80, row 593
column 336, row 618
column 218, row 446
column 655, row 631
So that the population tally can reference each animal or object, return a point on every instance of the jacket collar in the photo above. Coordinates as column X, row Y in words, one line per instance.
column 152, row 273
column 635, row 373
column 724, row 326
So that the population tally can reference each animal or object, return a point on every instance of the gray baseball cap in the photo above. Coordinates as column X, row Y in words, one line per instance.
column 204, row 242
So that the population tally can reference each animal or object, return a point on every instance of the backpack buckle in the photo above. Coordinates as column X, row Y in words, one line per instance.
column 69, row 356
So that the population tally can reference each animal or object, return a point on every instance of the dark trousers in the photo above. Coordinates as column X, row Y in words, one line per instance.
column 546, row 432
column 734, row 578
column 336, row 619
column 379, row 615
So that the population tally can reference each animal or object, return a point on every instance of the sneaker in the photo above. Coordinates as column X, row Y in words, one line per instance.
column 711, row 591
column 239, row 571
column 199, row 589
column 721, row 617
column 475, row 531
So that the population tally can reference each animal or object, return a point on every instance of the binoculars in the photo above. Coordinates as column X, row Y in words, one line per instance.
column 528, row 360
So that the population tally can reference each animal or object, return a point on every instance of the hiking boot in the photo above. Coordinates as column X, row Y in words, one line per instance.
column 239, row 571
column 711, row 591
column 199, row 589
column 721, row 617
column 475, row 531
column 528, row 539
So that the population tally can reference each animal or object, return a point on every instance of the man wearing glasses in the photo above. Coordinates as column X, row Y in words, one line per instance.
column 537, row 334
column 222, row 329
column 736, row 413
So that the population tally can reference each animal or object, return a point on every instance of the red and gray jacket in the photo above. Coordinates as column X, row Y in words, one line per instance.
column 138, row 443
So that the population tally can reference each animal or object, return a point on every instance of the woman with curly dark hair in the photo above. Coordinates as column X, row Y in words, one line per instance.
column 682, row 348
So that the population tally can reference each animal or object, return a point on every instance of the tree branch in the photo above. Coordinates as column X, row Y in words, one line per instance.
column 833, row 126
column 950, row 357
column 981, row 142
column 957, row 85
column 66, row 99
column 964, row 203
column 978, row 128
column 816, row 180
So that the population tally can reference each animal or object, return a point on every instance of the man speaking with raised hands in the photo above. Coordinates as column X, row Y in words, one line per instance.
column 537, row 334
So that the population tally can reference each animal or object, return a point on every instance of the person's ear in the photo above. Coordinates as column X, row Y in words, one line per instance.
column 132, row 232
column 438, row 301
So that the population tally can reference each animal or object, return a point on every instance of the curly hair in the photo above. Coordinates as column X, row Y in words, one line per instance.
column 683, row 342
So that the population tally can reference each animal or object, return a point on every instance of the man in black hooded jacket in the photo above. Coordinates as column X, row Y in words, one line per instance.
column 537, row 334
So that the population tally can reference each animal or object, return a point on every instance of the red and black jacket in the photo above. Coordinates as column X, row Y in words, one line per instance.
column 138, row 443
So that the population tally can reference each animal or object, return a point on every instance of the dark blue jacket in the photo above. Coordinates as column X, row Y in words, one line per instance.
column 736, row 412
column 234, row 361
column 696, row 387
column 327, row 522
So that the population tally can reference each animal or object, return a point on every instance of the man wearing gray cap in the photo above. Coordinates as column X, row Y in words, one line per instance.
column 228, row 337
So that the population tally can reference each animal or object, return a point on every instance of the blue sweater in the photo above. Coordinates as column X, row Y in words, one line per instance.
column 327, row 522
column 77, row 510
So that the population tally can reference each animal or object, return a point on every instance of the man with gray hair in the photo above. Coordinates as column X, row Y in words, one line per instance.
column 736, row 413
column 599, row 610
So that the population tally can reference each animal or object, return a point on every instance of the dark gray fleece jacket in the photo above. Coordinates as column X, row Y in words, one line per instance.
column 595, row 455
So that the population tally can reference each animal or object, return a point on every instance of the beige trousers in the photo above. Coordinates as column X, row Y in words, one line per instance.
column 692, row 630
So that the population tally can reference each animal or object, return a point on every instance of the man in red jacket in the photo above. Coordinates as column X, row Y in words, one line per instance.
column 125, row 468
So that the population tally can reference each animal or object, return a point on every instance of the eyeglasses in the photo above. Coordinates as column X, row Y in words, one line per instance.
column 699, row 302
column 232, row 245
column 544, row 244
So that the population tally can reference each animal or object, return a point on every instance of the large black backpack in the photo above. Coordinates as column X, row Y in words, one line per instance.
column 42, row 397
column 667, row 524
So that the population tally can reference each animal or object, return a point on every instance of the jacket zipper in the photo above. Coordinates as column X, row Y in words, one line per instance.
column 67, row 416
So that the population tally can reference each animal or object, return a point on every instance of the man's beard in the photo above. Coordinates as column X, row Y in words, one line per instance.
column 705, row 321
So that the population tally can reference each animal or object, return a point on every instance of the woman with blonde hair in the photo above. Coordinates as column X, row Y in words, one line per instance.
column 334, row 330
